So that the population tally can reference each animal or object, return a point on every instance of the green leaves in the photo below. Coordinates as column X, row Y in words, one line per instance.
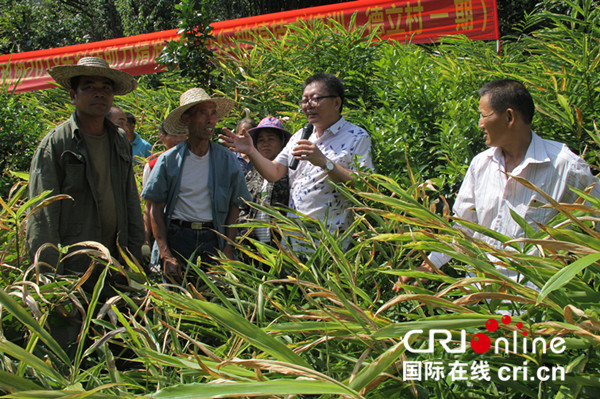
column 565, row 275
column 276, row 387
column 236, row 323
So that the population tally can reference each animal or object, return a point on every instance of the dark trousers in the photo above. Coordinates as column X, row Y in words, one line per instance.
column 187, row 244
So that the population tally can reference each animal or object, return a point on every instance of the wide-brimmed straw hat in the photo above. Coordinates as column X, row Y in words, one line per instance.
column 93, row 66
column 174, row 131
column 188, row 100
column 270, row 122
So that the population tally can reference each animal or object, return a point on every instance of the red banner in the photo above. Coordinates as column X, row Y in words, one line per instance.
column 416, row 21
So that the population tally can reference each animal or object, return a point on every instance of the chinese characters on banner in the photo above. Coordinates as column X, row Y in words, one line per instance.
column 416, row 21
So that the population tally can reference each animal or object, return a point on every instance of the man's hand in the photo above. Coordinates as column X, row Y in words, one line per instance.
column 306, row 150
column 228, row 251
column 406, row 280
column 237, row 143
column 172, row 269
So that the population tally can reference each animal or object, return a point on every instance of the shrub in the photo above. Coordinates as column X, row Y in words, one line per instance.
column 20, row 126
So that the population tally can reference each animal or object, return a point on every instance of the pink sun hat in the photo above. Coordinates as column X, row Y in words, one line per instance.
column 270, row 122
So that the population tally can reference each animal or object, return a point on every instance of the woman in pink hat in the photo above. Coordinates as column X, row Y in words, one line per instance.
column 269, row 137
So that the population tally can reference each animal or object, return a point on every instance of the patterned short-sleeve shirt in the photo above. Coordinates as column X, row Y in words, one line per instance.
column 311, row 192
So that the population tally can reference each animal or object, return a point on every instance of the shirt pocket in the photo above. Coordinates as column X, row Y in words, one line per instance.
column 221, row 205
column 125, row 158
column 73, row 181
column 536, row 213
column 74, row 184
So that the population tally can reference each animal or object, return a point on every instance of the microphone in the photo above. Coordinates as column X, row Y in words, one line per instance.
column 306, row 132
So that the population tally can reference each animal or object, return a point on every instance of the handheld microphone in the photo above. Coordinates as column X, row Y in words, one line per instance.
column 306, row 132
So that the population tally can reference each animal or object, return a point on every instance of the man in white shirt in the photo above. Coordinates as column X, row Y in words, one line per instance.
column 489, row 192
column 326, row 156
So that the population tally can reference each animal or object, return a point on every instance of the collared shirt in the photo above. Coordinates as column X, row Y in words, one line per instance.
column 225, row 182
column 62, row 164
column 140, row 148
column 487, row 194
column 311, row 192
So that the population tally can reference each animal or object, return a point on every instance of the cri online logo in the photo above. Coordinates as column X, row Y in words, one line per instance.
column 481, row 342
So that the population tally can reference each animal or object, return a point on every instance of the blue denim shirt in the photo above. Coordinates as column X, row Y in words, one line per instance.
column 226, row 183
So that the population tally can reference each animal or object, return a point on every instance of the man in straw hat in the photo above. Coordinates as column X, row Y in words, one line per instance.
column 170, row 140
column 90, row 160
column 196, row 188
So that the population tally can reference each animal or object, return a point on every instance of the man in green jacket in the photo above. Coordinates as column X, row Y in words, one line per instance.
column 88, row 159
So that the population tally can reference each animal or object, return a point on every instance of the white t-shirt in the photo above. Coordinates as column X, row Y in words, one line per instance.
column 193, row 201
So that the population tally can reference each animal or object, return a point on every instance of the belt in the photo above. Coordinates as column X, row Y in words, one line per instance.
column 193, row 225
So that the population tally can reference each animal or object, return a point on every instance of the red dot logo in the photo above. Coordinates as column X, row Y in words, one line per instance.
column 491, row 325
column 480, row 343
column 519, row 325
column 506, row 319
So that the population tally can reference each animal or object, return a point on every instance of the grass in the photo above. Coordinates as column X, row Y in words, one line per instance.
column 281, row 324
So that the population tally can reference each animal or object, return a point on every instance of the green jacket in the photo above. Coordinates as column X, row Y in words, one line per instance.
column 61, row 165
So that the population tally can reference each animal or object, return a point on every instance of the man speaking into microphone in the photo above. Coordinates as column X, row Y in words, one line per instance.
column 325, row 156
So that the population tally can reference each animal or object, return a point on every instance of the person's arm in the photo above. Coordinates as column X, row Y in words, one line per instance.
column 306, row 150
column 270, row 170
column 147, row 223
column 159, row 228
column 464, row 208
column 309, row 151
column 146, row 215
column 135, row 222
column 230, row 230
column 43, row 224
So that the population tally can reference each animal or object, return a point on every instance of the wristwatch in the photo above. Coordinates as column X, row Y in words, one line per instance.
column 329, row 166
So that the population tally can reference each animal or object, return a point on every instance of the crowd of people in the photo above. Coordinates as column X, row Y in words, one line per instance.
column 197, row 190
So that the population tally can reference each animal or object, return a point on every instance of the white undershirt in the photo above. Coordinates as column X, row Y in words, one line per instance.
column 193, row 201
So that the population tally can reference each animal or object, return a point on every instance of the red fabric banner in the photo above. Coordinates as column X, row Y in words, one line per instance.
column 416, row 21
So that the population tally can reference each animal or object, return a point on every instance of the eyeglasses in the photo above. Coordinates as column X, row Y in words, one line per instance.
column 313, row 101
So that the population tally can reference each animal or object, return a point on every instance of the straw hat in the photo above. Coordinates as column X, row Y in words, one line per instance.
column 93, row 66
column 188, row 100
column 270, row 122
column 173, row 131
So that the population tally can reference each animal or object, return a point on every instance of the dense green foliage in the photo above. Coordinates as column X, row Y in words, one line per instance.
column 276, row 323
column 20, row 128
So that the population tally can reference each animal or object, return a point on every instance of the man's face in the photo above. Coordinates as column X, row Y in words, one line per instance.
column 321, row 112
column 171, row 140
column 242, row 128
column 129, row 128
column 118, row 117
column 201, row 120
column 268, row 143
column 93, row 97
column 492, row 124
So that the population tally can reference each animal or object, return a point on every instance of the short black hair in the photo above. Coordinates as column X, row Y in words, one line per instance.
column 509, row 93
column 332, row 83
column 130, row 118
